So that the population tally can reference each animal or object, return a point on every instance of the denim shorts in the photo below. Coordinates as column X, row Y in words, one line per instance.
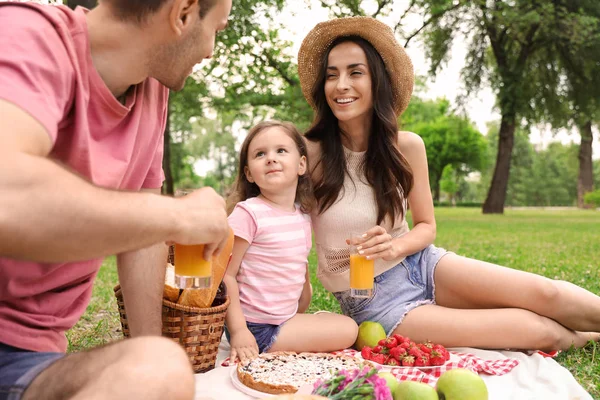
column 265, row 335
column 396, row 291
column 18, row 368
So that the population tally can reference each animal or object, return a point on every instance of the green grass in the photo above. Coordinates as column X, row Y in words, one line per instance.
column 557, row 244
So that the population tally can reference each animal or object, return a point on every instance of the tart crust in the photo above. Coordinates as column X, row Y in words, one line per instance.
column 284, row 372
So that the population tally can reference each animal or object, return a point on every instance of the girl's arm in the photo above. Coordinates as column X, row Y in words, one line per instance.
column 243, row 344
column 306, row 296
column 380, row 244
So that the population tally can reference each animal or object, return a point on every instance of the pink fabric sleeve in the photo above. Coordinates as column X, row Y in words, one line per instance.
column 156, row 175
column 243, row 223
column 36, row 73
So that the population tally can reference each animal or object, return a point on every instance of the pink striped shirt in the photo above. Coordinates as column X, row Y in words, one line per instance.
column 273, row 270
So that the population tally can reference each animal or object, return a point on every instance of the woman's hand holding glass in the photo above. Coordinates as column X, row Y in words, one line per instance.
column 375, row 243
column 243, row 345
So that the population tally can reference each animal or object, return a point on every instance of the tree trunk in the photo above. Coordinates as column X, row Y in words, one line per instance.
column 89, row 4
column 494, row 203
column 436, row 188
column 585, row 181
column 168, row 185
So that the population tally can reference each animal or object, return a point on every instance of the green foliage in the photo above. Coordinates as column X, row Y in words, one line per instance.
column 593, row 198
column 544, row 177
column 449, row 182
column 450, row 140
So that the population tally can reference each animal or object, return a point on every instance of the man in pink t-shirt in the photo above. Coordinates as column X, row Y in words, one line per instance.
column 83, row 107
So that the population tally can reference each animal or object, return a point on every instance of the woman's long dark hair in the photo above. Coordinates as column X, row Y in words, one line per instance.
column 244, row 189
column 385, row 169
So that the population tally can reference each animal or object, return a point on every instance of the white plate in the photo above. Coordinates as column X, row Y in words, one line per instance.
column 245, row 389
column 453, row 358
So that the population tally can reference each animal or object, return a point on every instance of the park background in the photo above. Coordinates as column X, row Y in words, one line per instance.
column 507, row 101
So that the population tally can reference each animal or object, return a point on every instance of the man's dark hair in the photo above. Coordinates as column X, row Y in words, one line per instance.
column 140, row 9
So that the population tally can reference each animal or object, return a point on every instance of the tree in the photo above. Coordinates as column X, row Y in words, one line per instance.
column 449, row 183
column 504, row 37
column 568, row 85
column 251, row 77
column 450, row 140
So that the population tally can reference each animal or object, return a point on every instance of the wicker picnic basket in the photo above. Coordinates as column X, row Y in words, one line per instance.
column 197, row 330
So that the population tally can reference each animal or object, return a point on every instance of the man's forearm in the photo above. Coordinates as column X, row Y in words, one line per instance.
column 142, row 277
column 49, row 214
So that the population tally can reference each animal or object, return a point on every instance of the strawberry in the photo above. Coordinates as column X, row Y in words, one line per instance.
column 366, row 352
column 415, row 352
column 442, row 350
column 408, row 361
column 426, row 347
column 405, row 345
column 382, row 342
column 437, row 358
column 378, row 358
column 422, row 361
column 377, row 349
column 385, row 350
column 398, row 352
column 392, row 362
column 391, row 342
column 399, row 338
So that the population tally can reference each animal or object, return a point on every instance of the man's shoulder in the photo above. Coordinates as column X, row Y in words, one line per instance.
column 37, row 17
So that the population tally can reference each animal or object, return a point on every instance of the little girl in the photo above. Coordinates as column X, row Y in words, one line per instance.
column 267, row 279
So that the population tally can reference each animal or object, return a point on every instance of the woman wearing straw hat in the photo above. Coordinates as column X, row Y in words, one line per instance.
column 359, row 80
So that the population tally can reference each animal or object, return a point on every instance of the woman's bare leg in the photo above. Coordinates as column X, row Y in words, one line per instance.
column 316, row 332
column 505, row 328
column 462, row 282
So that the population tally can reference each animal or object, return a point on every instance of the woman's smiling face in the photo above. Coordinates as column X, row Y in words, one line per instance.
column 348, row 82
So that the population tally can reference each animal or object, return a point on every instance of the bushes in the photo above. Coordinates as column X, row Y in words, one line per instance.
column 592, row 198
column 467, row 204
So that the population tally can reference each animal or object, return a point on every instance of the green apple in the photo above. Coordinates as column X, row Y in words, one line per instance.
column 409, row 390
column 369, row 333
column 461, row 384
column 391, row 381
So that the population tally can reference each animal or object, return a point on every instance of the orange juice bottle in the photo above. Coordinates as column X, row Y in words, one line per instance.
column 191, row 269
column 362, row 272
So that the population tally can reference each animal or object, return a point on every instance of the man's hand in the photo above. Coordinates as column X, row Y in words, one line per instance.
column 243, row 345
column 204, row 221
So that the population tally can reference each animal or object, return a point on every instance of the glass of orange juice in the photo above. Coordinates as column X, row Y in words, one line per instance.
column 191, row 269
column 362, row 271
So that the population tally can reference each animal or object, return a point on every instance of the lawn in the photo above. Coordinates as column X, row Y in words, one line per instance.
column 557, row 244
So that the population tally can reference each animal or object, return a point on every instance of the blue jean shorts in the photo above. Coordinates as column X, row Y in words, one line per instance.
column 18, row 368
column 396, row 291
column 265, row 335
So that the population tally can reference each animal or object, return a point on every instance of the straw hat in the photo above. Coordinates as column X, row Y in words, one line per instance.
column 381, row 36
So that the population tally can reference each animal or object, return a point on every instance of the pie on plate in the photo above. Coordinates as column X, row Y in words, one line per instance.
column 285, row 372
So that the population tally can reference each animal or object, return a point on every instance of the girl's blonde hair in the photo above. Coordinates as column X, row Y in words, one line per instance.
column 243, row 189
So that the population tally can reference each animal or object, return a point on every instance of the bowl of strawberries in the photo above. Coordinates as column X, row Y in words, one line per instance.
column 399, row 351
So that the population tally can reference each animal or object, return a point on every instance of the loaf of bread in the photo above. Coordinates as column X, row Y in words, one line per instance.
column 171, row 291
column 203, row 298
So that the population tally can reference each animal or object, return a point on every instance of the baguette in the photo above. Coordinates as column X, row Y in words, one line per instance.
column 170, row 291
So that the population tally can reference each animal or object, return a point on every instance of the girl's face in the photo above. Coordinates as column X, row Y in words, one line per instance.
column 274, row 162
column 348, row 83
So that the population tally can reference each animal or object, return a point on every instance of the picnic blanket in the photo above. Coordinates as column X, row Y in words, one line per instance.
column 507, row 374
